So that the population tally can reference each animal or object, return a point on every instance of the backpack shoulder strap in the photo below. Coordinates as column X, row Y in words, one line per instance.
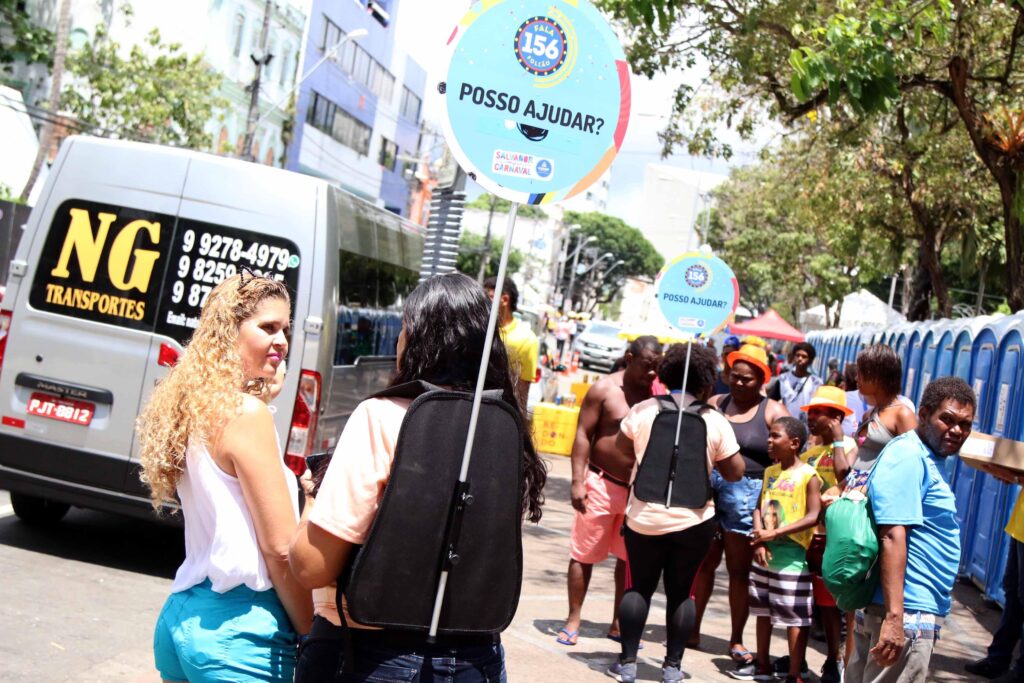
column 408, row 390
column 666, row 403
column 697, row 407
column 418, row 387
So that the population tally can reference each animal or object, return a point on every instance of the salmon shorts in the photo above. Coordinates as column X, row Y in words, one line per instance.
column 598, row 532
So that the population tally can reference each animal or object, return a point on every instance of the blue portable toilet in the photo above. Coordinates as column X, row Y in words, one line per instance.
column 923, row 359
column 911, row 356
column 851, row 344
column 994, row 499
column 900, row 340
column 969, row 481
column 945, row 350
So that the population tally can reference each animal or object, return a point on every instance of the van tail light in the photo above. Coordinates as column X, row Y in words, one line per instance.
column 304, row 415
column 5, row 327
column 168, row 357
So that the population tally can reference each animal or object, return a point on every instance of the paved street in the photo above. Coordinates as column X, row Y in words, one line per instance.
column 78, row 602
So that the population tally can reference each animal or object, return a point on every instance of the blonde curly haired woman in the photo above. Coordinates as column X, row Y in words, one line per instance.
column 208, row 440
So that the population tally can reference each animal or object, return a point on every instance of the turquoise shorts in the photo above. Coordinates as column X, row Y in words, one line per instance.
column 242, row 635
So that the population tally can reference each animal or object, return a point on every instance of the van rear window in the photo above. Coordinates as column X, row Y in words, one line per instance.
column 145, row 270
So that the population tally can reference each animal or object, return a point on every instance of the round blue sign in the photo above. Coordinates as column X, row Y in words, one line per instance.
column 697, row 293
column 536, row 97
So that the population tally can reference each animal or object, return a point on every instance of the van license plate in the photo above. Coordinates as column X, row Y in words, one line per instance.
column 65, row 410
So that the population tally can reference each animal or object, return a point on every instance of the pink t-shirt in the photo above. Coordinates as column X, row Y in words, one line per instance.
column 353, row 486
column 654, row 519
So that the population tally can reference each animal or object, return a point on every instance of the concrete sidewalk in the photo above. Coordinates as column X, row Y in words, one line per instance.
column 533, row 655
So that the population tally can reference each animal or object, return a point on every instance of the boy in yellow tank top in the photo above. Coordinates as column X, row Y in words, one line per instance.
column 780, row 583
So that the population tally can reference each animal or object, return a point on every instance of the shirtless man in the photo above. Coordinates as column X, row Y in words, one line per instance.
column 601, row 476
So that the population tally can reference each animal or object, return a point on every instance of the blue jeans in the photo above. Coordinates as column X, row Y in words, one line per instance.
column 1011, row 626
column 319, row 659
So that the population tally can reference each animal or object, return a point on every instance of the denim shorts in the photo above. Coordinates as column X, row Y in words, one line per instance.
column 242, row 635
column 735, row 502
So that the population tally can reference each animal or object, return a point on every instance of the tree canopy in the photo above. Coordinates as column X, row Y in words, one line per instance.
column 157, row 93
column 488, row 202
column 471, row 249
column 912, row 70
column 20, row 39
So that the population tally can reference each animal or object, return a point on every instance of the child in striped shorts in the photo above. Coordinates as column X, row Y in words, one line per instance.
column 780, row 582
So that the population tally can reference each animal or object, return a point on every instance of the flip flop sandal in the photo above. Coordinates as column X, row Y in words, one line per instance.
column 618, row 639
column 741, row 655
column 569, row 638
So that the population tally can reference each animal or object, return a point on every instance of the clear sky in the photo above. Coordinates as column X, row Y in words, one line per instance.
column 423, row 26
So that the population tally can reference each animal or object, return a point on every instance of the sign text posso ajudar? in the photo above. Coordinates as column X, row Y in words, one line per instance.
column 549, row 113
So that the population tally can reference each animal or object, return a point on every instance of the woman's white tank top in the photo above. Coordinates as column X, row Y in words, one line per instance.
column 220, row 539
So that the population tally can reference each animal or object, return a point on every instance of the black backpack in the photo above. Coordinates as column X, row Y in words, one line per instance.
column 680, row 468
column 427, row 520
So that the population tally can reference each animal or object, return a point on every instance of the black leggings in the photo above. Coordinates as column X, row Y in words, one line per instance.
column 678, row 555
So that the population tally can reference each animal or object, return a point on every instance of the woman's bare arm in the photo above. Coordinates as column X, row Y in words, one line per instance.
column 249, row 443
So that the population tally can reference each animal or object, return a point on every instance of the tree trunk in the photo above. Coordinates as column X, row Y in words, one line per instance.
column 1007, row 178
column 919, row 305
column 46, row 132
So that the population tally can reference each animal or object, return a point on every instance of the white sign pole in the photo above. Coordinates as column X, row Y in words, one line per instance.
column 467, row 453
column 679, row 423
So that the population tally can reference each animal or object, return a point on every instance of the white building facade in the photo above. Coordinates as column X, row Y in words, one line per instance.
column 226, row 32
column 673, row 200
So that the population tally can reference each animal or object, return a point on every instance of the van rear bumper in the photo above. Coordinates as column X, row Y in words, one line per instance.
column 13, row 477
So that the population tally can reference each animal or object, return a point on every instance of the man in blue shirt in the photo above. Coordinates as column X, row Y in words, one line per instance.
column 919, row 541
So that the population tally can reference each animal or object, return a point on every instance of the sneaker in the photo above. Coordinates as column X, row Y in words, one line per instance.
column 671, row 674
column 988, row 667
column 743, row 672
column 781, row 667
column 749, row 672
column 830, row 672
column 623, row 673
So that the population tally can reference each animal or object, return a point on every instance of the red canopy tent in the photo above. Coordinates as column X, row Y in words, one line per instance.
column 770, row 325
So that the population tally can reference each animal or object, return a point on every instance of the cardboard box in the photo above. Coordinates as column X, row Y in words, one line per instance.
column 981, row 451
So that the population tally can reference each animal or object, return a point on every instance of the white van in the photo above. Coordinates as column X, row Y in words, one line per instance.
column 107, row 284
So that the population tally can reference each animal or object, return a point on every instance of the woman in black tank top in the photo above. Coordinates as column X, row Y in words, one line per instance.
column 752, row 437
column 735, row 501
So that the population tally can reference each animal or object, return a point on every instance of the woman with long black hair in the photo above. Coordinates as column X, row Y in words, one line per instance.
column 443, row 331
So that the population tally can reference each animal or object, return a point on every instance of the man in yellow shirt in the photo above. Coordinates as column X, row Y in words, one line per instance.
column 519, row 339
column 996, row 665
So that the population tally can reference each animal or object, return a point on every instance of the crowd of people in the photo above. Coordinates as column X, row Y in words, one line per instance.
column 267, row 593
column 780, row 448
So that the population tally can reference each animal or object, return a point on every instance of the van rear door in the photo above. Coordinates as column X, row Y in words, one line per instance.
column 94, row 257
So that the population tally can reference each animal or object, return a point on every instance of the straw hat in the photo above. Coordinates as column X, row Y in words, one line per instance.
column 829, row 397
column 754, row 355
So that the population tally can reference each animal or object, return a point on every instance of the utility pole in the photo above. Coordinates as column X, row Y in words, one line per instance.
column 46, row 131
column 260, row 62
column 572, row 275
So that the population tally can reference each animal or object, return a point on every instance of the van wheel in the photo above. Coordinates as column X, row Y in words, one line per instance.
column 38, row 511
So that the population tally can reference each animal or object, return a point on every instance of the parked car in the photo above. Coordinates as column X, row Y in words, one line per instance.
column 600, row 345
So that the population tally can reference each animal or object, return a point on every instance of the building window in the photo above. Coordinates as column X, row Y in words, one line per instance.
column 286, row 61
column 357, row 62
column 238, row 31
column 410, row 108
column 332, row 35
column 326, row 116
column 388, row 154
